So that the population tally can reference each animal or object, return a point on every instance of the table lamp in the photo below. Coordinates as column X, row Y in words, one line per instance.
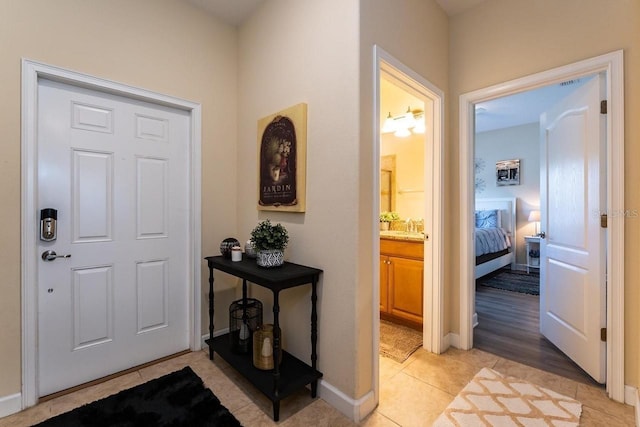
column 534, row 216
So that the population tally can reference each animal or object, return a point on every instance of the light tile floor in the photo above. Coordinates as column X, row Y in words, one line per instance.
column 413, row 393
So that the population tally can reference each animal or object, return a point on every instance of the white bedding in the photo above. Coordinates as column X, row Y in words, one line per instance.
column 490, row 240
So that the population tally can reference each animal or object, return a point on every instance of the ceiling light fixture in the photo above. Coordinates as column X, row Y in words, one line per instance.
column 401, row 125
column 420, row 126
column 389, row 126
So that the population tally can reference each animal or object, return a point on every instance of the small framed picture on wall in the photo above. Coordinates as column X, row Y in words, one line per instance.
column 508, row 172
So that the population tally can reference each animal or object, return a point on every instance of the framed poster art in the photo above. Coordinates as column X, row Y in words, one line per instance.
column 508, row 172
column 282, row 155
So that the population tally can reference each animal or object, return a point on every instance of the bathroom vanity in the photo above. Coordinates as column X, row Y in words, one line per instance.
column 402, row 277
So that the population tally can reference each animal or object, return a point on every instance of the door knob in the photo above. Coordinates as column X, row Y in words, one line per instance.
column 52, row 255
column 542, row 235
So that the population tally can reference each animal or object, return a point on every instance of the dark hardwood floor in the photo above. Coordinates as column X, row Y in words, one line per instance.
column 508, row 326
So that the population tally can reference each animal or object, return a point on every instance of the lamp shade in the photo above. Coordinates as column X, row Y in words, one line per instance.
column 534, row 216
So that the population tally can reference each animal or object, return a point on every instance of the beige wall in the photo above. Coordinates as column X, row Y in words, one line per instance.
column 516, row 142
column 322, row 68
column 505, row 39
column 416, row 33
column 163, row 45
column 292, row 52
column 409, row 174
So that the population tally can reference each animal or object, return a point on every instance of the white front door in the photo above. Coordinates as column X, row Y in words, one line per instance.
column 572, row 195
column 116, row 171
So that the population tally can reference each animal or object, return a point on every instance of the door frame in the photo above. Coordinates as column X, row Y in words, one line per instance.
column 433, row 300
column 32, row 72
column 611, row 65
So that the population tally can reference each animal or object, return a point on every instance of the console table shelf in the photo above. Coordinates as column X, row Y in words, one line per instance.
column 291, row 373
column 294, row 373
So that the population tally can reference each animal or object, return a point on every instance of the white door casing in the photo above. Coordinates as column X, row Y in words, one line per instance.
column 399, row 74
column 572, row 195
column 149, row 268
column 611, row 65
column 433, row 301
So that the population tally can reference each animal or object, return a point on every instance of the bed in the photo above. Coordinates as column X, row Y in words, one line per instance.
column 495, row 234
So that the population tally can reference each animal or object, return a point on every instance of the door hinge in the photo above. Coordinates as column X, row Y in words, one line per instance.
column 603, row 334
column 603, row 220
column 603, row 106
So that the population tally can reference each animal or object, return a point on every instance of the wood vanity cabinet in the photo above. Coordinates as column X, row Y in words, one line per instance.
column 401, row 281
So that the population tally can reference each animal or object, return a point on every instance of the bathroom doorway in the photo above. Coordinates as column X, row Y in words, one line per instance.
column 421, row 198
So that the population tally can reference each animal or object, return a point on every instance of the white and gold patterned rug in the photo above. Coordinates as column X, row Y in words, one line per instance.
column 491, row 399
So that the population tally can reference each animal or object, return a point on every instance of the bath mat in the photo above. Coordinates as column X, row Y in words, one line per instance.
column 398, row 342
column 492, row 399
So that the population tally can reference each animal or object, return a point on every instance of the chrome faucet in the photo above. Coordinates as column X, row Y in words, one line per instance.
column 411, row 226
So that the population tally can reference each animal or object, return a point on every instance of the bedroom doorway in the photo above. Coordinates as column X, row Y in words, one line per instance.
column 507, row 291
column 610, row 65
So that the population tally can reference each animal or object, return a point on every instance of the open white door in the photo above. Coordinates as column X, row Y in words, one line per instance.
column 572, row 196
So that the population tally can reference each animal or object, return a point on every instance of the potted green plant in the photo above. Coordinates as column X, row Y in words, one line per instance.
column 386, row 218
column 534, row 256
column 269, row 241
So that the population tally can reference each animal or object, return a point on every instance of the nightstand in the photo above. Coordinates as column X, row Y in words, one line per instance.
column 532, row 244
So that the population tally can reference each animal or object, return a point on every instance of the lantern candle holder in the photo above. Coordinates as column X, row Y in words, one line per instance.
column 263, row 348
column 245, row 315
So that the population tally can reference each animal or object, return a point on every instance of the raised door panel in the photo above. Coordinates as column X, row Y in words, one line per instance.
column 92, row 196
column 405, row 288
column 384, row 284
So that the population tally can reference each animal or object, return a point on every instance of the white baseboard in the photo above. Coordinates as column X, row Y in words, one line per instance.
column 215, row 334
column 520, row 267
column 355, row 410
column 637, row 405
column 632, row 397
column 10, row 404
column 450, row 340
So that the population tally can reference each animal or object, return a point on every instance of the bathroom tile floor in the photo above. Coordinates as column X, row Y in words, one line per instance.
column 413, row 393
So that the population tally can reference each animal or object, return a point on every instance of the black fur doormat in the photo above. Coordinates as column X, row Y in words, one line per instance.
column 177, row 399
column 511, row 280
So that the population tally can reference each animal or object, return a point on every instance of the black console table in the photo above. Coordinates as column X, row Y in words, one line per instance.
column 291, row 373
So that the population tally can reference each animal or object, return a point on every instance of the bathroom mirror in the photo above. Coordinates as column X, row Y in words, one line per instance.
column 388, row 183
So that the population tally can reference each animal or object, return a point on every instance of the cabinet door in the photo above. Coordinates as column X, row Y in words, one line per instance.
column 384, row 284
column 405, row 288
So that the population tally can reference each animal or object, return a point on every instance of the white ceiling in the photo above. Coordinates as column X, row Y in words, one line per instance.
column 521, row 108
column 233, row 12
column 454, row 7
